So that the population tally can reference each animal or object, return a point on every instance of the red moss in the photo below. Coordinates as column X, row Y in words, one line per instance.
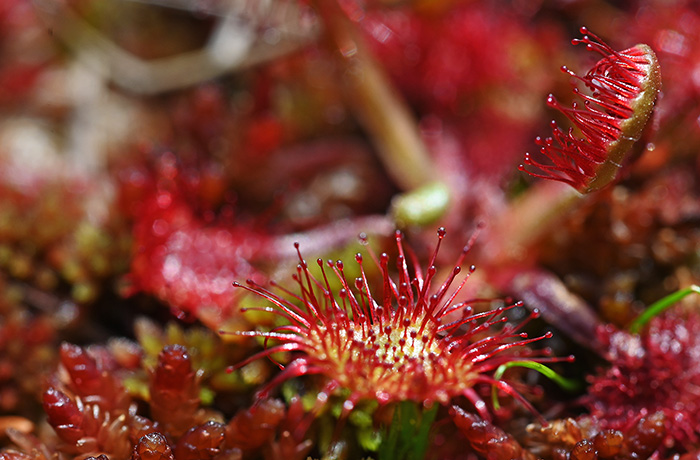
column 201, row 442
column 174, row 390
column 292, row 441
column 64, row 415
column 586, row 438
column 99, row 457
column 271, row 428
column 608, row 443
column 49, row 235
column 92, row 413
column 92, row 381
column 86, row 429
column 252, row 428
column 27, row 352
column 487, row 439
column 152, row 446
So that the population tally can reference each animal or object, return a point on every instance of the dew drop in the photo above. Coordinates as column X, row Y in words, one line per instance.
column 164, row 199
column 362, row 237
column 160, row 227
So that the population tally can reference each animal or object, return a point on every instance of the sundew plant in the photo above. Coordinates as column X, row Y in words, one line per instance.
column 218, row 230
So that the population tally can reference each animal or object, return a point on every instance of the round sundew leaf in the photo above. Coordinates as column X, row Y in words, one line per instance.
column 392, row 342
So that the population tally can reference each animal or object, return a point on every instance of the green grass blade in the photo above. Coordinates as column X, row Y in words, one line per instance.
column 567, row 384
column 659, row 306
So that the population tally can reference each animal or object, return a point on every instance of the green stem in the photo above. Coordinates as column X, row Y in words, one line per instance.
column 407, row 438
column 567, row 384
column 659, row 306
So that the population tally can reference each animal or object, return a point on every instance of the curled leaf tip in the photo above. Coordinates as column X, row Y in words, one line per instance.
column 608, row 118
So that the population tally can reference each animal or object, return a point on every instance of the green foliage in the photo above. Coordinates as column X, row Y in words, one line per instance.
column 407, row 437
column 661, row 305
column 210, row 355
column 567, row 384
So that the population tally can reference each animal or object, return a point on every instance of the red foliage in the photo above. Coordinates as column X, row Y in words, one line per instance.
column 397, row 348
column 253, row 428
column 181, row 255
column 623, row 88
column 268, row 426
column 656, row 371
column 202, row 442
column 152, row 446
column 586, row 439
column 463, row 66
column 487, row 439
column 91, row 380
column 444, row 61
column 174, row 390
column 64, row 415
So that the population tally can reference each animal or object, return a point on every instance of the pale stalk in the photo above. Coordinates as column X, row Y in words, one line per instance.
column 377, row 105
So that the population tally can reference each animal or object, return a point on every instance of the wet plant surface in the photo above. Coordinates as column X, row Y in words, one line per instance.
column 336, row 230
